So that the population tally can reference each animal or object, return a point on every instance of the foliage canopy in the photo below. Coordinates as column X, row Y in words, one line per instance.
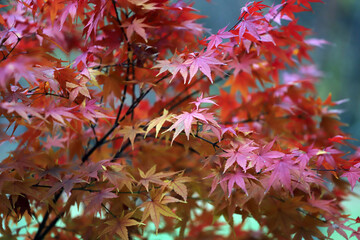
column 155, row 120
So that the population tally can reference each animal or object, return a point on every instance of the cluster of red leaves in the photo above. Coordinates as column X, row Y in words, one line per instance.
column 94, row 131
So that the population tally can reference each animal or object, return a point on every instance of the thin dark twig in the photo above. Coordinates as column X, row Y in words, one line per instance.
column 190, row 95
column 11, row 50
column 107, row 210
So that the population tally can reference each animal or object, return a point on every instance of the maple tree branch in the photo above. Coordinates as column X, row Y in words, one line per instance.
column 39, row 235
column 190, row 95
column 94, row 132
column 119, row 21
column 50, row 226
column 107, row 210
column 180, row 93
column 47, row 94
column 214, row 144
column 326, row 170
column 299, row 209
column 116, row 124
column 308, row 214
column 132, row 107
column 11, row 50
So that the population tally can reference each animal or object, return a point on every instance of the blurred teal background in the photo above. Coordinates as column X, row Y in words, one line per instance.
column 338, row 22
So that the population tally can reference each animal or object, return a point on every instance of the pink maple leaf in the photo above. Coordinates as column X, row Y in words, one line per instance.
column 356, row 234
column 281, row 171
column 185, row 120
column 174, row 66
column 250, row 25
column 238, row 178
column 201, row 100
column 264, row 156
column 137, row 26
column 326, row 205
column 326, row 155
column 216, row 39
column 54, row 142
column 240, row 154
column 202, row 61
column 59, row 113
column 339, row 227
column 303, row 157
column 275, row 15
column 22, row 110
column 353, row 175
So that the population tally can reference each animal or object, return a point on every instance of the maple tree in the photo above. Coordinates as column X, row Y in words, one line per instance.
column 155, row 120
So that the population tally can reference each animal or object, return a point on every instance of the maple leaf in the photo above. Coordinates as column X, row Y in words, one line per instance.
column 178, row 185
column 96, row 199
column 91, row 111
column 228, row 129
column 339, row 227
column 316, row 42
column 281, row 171
column 245, row 63
column 238, row 178
column 159, row 122
column 54, row 142
column 185, row 120
column 274, row 14
column 340, row 139
column 155, row 208
column 21, row 109
column 118, row 226
column 151, row 176
column 326, row 205
column 353, row 175
column 137, row 26
column 174, row 66
column 200, row 100
column 67, row 183
column 58, row 113
column 239, row 153
column 216, row 40
column 303, row 157
column 356, row 234
column 250, row 25
column 92, row 169
column 326, row 155
column 217, row 177
column 95, row 16
column 129, row 132
column 264, row 156
column 117, row 175
column 76, row 89
column 202, row 61
column 145, row 4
